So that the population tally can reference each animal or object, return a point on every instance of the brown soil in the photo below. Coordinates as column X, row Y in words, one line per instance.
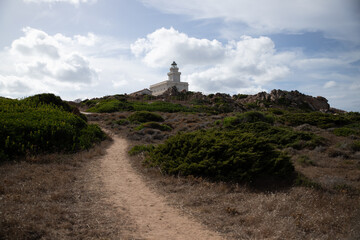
column 153, row 217
column 58, row 196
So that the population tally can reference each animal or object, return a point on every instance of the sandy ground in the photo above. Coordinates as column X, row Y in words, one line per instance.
column 154, row 219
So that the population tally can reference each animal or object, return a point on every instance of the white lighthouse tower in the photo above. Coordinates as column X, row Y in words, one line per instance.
column 173, row 81
column 174, row 74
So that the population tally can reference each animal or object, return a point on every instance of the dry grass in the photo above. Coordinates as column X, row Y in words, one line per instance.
column 239, row 212
column 56, row 197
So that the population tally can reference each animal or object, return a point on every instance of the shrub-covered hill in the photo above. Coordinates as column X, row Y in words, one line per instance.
column 195, row 102
column 43, row 123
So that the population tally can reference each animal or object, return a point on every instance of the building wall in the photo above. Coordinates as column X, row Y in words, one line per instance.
column 160, row 88
column 141, row 92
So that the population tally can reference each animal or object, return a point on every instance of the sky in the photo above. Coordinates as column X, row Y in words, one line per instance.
column 93, row 48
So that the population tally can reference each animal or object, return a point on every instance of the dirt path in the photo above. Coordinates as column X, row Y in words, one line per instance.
column 153, row 217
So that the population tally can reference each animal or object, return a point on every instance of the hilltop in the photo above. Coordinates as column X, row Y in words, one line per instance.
column 270, row 165
column 298, row 143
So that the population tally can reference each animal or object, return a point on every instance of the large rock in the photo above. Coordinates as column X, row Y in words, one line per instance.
column 291, row 99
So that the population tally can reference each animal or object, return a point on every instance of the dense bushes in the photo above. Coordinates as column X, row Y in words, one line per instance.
column 144, row 116
column 154, row 125
column 140, row 149
column 35, row 125
column 260, row 125
column 48, row 99
column 318, row 119
column 111, row 105
column 219, row 155
column 117, row 105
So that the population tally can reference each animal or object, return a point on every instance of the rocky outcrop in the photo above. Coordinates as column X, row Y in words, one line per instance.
column 286, row 98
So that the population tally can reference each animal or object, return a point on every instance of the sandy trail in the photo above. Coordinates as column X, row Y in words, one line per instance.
column 153, row 217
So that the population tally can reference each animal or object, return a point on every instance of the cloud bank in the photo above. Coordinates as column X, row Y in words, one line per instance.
column 39, row 62
column 74, row 2
column 243, row 65
column 335, row 18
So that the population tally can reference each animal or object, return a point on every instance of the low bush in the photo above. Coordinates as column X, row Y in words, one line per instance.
column 240, row 96
column 28, row 127
column 122, row 122
column 260, row 125
column 219, row 155
column 144, row 116
column 344, row 131
column 154, row 125
column 318, row 119
column 276, row 111
column 248, row 117
column 111, row 105
column 139, row 149
column 48, row 99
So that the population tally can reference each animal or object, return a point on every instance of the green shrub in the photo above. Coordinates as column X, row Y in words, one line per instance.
column 139, row 149
column 344, row 131
column 48, row 99
column 89, row 135
column 122, row 122
column 219, row 155
column 252, row 105
column 111, row 105
column 321, row 120
column 281, row 137
column 276, row 111
column 154, row 125
column 240, row 96
column 28, row 127
column 89, row 103
column 144, row 116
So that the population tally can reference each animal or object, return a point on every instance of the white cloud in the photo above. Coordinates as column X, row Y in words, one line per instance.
column 336, row 18
column 215, row 67
column 74, row 2
column 41, row 55
column 71, row 66
column 38, row 62
column 164, row 45
column 330, row 84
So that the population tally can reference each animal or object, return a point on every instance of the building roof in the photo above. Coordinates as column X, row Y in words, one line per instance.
column 141, row 92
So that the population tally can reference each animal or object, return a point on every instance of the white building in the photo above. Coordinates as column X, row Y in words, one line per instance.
column 145, row 91
column 174, row 80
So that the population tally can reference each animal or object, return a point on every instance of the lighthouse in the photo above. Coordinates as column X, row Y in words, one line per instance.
column 172, row 81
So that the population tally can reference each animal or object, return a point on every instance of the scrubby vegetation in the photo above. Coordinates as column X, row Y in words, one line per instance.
column 318, row 119
column 110, row 105
column 218, row 155
column 154, row 125
column 42, row 123
column 261, row 125
column 144, row 116
column 117, row 105
column 140, row 149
